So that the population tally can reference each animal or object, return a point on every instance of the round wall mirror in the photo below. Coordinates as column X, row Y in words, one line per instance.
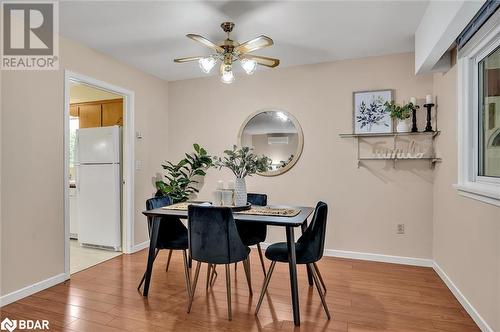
column 275, row 134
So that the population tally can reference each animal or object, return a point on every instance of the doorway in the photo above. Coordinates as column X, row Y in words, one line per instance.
column 98, row 177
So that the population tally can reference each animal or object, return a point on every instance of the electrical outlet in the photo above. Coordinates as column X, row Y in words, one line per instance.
column 400, row 229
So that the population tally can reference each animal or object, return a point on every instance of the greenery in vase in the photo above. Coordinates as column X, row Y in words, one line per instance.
column 180, row 177
column 399, row 112
column 242, row 162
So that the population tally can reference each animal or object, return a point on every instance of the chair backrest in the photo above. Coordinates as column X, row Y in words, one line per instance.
column 314, row 236
column 213, row 237
column 257, row 199
column 158, row 202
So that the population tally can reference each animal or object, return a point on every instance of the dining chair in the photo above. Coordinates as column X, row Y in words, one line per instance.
column 214, row 239
column 253, row 233
column 172, row 235
column 309, row 250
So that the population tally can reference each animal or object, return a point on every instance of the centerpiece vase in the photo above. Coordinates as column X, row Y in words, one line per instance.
column 240, row 192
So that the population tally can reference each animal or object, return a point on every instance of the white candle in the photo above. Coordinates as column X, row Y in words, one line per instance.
column 230, row 185
column 428, row 99
column 220, row 185
column 413, row 100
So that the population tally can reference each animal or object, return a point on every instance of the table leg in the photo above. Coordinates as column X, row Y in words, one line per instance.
column 292, row 262
column 309, row 274
column 151, row 256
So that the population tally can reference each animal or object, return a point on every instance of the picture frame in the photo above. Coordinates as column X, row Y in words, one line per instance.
column 369, row 115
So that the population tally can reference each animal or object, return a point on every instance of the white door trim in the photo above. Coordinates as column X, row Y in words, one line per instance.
column 128, row 160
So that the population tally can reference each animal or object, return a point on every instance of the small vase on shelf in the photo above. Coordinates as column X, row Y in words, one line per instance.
column 240, row 192
column 402, row 126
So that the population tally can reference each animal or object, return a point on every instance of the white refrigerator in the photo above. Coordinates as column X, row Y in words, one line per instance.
column 98, row 184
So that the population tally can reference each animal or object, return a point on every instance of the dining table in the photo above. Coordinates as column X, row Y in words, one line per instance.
column 288, row 222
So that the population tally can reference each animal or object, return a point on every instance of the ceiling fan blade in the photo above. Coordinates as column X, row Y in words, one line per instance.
column 205, row 42
column 254, row 44
column 189, row 58
column 263, row 60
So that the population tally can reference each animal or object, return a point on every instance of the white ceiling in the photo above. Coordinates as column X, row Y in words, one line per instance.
column 149, row 35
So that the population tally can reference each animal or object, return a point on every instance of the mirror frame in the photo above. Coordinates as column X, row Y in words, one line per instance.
column 300, row 145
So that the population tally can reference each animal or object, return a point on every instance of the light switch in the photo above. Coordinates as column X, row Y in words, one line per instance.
column 138, row 165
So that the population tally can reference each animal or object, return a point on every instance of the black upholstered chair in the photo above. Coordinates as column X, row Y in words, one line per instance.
column 309, row 250
column 214, row 239
column 172, row 235
column 254, row 233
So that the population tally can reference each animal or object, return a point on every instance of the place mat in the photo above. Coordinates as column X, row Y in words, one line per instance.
column 183, row 206
column 271, row 211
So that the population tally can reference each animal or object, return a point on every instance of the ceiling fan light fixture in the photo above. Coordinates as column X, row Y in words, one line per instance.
column 230, row 51
column 207, row 64
column 249, row 66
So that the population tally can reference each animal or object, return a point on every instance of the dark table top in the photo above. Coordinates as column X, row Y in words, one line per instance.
column 298, row 220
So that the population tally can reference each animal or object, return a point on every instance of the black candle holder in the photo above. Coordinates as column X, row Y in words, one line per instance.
column 414, row 128
column 428, row 127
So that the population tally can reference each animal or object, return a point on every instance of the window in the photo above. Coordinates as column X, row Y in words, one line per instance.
column 489, row 115
column 479, row 115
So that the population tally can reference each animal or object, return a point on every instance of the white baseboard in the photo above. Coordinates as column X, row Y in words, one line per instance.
column 425, row 262
column 462, row 299
column 140, row 246
column 373, row 257
column 32, row 289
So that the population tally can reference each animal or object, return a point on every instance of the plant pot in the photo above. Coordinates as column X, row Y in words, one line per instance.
column 240, row 192
column 403, row 126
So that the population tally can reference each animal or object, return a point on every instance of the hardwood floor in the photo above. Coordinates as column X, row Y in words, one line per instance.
column 362, row 296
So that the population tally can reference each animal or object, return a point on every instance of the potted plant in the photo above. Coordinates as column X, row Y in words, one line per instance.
column 242, row 162
column 181, row 177
column 401, row 113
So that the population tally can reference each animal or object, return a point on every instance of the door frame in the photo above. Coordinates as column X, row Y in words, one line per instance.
column 127, row 159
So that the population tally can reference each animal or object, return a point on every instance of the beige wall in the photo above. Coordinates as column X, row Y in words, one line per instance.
column 32, row 158
column 366, row 203
column 466, row 232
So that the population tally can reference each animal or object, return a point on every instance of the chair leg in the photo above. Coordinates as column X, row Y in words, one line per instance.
column 228, row 291
column 186, row 273
column 246, row 265
column 318, row 287
column 168, row 260
column 264, row 287
column 195, row 281
column 235, row 267
column 213, row 276
column 209, row 270
column 259, row 250
column 320, row 277
column 144, row 275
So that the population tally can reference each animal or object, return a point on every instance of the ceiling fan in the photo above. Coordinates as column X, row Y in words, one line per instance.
column 229, row 52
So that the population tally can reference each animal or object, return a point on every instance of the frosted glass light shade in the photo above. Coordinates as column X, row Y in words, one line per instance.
column 206, row 64
column 249, row 66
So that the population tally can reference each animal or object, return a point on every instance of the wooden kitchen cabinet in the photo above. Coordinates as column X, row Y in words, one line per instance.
column 101, row 113
column 90, row 115
column 112, row 113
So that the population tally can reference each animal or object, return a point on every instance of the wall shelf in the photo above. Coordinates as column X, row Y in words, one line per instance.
column 431, row 158
column 352, row 135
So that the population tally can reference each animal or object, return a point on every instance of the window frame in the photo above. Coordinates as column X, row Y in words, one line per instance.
column 470, row 184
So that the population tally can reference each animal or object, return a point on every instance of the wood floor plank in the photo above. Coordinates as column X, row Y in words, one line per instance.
column 362, row 296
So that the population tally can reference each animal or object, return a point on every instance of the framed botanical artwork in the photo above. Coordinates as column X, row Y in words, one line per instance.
column 370, row 116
